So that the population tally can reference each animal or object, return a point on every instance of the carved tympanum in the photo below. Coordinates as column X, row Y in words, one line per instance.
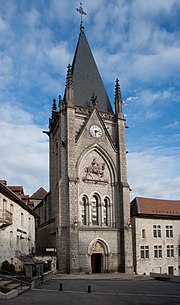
column 95, row 171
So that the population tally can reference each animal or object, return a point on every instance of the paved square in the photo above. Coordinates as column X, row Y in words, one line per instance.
column 106, row 292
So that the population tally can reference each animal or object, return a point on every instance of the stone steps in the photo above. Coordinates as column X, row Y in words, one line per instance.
column 13, row 284
column 5, row 282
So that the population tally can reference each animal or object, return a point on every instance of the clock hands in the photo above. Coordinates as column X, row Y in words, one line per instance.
column 95, row 131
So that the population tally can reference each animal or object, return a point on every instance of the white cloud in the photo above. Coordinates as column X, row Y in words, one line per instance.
column 154, row 7
column 32, row 18
column 24, row 150
column 145, row 99
column 9, row 114
column 59, row 62
column 153, row 173
column 3, row 25
column 137, row 49
column 150, row 115
column 129, row 40
column 6, row 64
column 173, row 125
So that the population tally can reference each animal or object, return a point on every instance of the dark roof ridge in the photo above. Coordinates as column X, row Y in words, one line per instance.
column 157, row 199
column 155, row 206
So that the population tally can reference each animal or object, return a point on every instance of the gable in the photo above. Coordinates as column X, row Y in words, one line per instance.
column 92, row 128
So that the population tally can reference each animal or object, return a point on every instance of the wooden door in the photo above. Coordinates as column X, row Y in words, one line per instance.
column 96, row 263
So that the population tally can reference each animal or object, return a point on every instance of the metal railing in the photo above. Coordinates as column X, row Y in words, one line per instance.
column 19, row 279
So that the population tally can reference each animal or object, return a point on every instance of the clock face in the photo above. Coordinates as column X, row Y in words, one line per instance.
column 95, row 131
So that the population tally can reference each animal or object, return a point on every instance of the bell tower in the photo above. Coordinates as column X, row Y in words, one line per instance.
column 89, row 191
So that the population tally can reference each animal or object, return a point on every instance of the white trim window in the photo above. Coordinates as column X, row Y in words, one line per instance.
column 169, row 231
column 144, row 251
column 157, row 251
column 170, row 250
column 156, row 231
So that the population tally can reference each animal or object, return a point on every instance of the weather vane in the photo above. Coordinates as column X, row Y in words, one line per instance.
column 81, row 11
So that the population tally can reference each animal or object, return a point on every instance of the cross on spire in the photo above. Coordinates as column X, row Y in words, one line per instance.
column 82, row 12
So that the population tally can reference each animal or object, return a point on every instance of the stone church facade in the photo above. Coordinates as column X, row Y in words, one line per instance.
column 89, row 202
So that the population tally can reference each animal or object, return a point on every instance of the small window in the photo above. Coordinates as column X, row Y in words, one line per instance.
column 11, row 208
column 156, row 231
column 143, row 233
column 157, row 251
column 29, row 224
column 22, row 219
column 144, row 251
column 11, row 238
column 170, row 250
column 4, row 205
column 179, row 250
column 17, row 242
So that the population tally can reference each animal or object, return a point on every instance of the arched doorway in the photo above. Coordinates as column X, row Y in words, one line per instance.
column 99, row 256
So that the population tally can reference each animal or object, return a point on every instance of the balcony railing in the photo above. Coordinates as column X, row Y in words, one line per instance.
column 6, row 218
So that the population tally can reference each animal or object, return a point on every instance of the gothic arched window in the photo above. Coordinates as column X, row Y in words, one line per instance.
column 105, row 212
column 83, row 210
column 94, row 211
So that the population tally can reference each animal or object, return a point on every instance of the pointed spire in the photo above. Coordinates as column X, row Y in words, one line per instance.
column 54, row 107
column 118, row 98
column 69, row 92
column 87, row 79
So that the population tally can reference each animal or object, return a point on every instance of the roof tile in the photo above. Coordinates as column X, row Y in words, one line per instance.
column 151, row 206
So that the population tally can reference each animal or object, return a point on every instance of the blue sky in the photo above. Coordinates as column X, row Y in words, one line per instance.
column 137, row 41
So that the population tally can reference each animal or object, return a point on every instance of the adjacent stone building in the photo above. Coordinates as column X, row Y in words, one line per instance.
column 88, row 204
column 17, row 226
column 156, row 235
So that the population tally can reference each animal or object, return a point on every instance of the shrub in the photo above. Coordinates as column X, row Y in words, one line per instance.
column 7, row 267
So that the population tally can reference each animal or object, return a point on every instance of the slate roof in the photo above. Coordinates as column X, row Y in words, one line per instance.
column 150, row 206
column 86, row 78
column 39, row 194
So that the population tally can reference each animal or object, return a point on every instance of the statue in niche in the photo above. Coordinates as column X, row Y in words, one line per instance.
column 95, row 171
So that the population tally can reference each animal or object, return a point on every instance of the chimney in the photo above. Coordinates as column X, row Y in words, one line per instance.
column 4, row 182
